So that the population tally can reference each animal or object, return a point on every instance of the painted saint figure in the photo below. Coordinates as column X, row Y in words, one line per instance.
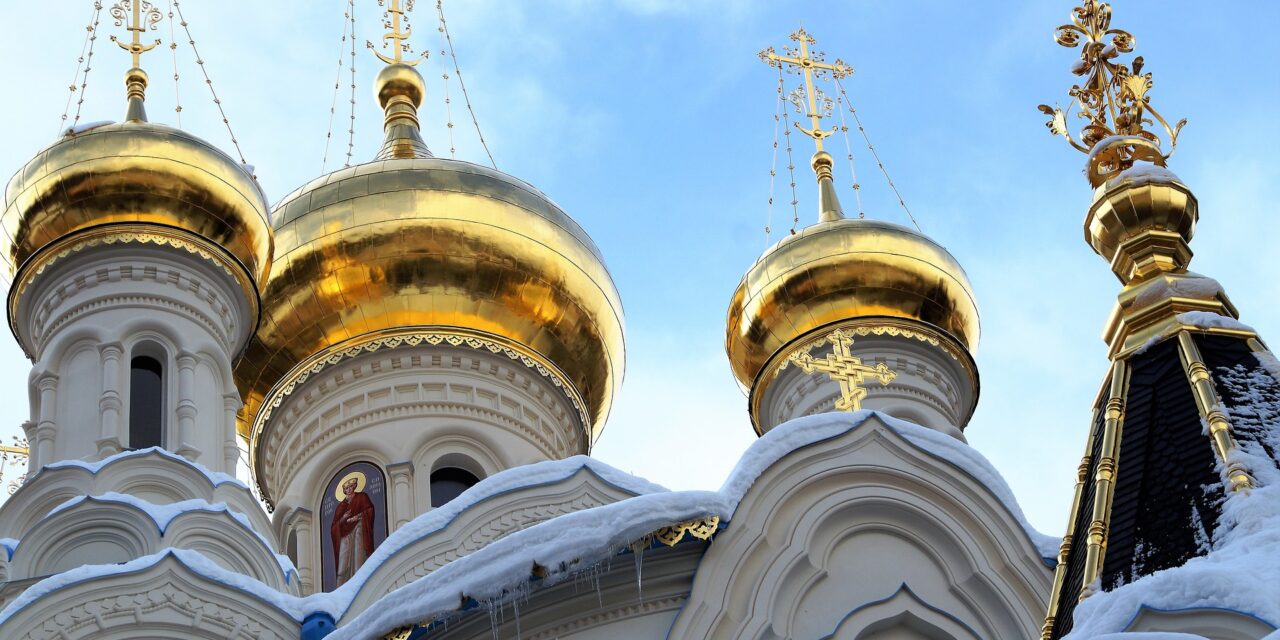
column 352, row 528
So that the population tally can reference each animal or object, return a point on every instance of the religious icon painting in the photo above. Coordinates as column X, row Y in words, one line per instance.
column 353, row 521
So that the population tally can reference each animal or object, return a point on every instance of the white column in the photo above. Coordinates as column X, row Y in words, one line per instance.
column 308, row 549
column 110, row 403
column 401, row 494
column 46, row 428
column 186, row 406
column 29, row 430
column 230, row 444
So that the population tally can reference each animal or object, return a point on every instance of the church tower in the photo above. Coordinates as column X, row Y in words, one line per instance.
column 135, row 251
column 427, row 322
column 851, row 313
column 1167, row 443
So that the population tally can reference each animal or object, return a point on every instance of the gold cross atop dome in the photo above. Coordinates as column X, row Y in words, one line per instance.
column 811, row 65
column 844, row 367
column 141, row 17
column 137, row 26
column 396, row 18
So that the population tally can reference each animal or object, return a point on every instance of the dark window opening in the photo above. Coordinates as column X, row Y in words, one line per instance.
column 146, row 403
column 448, row 483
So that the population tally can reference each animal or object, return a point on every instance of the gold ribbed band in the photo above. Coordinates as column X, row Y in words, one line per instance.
column 128, row 233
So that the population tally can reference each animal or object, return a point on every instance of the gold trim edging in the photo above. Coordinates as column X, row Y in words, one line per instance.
column 1211, row 411
column 116, row 233
column 409, row 336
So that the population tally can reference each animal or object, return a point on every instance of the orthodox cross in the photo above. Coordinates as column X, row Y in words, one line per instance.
column 810, row 65
column 845, row 368
column 396, row 18
column 144, row 17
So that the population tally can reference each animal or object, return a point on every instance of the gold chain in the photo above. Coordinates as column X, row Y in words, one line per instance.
column 200, row 62
column 853, row 173
column 90, row 37
column 337, row 83
column 791, row 163
column 457, row 72
column 773, row 163
column 875, row 155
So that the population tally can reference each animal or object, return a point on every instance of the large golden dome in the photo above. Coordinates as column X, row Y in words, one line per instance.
column 410, row 244
column 841, row 269
column 134, row 182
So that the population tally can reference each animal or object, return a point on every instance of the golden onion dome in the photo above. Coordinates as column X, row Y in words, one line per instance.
column 841, row 269
column 134, row 181
column 408, row 244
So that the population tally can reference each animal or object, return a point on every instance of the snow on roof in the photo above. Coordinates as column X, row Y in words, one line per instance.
column 193, row 560
column 1241, row 572
column 541, row 473
column 163, row 514
column 1211, row 320
column 9, row 545
column 215, row 477
column 562, row 546
column 573, row 542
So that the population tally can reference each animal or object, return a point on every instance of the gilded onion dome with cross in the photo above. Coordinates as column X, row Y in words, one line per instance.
column 851, row 313
column 133, row 183
column 411, row 249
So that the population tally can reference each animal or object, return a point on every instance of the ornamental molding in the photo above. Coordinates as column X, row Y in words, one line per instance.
column 163, row 599
column 647, row 607
column 321, row 439
column 456, row 337
column 220, row 335
column 120, row 234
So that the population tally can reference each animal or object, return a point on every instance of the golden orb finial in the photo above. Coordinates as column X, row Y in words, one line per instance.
column 399, row 88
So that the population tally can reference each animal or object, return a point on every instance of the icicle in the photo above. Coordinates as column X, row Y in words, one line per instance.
column 637, row 552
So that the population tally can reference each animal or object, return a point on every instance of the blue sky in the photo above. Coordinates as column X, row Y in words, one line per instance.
column 650, row 121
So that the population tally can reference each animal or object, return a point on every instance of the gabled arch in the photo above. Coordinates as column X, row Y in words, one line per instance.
column 839, row 523
column 902, row 614
column 161, row 598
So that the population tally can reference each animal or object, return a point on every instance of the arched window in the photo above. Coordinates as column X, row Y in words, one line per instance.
column 146, row 403
column 448, row 483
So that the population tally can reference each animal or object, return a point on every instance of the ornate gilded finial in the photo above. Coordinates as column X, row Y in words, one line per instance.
column 816, row 105
column 400, row 88
column 845, row 368
column 141, row 17
column 396, row 19
column 1112, row 99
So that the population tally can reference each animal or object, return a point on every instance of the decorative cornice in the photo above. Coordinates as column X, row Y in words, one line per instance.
column 131, row 233
column 411, row 337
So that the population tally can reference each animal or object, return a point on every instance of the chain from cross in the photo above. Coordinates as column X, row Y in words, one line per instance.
column 137, row 26
column 396, row 19
column 845, row 368
column 811, row 66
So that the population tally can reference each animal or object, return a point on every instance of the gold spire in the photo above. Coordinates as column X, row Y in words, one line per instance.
column 815, row 105
column 399, row 87
column 141, row 17
column 1112, row 99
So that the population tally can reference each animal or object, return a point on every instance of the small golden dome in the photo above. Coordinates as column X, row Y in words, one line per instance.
column 1141, row 221
column 423, row 243
column 134, row 180
column 842, row 269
